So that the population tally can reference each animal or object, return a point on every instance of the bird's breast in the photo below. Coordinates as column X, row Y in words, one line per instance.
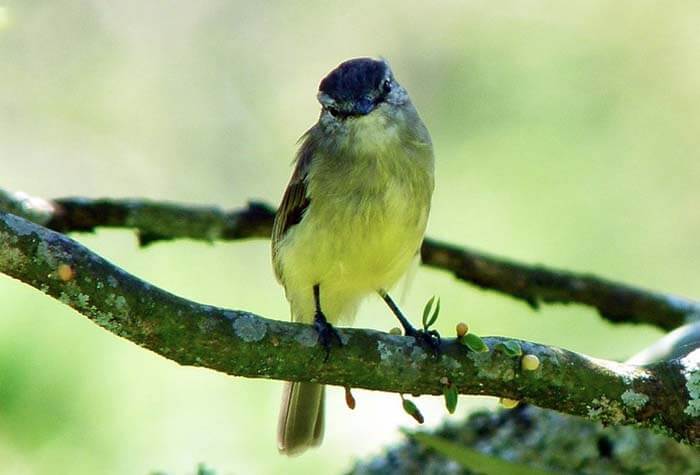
column 370, row 221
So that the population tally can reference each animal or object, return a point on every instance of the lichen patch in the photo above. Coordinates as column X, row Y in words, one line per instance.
column 249, row 328
column 691, row 372
column 634, row 400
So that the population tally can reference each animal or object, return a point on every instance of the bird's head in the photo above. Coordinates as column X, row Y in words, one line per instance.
column 359, row 86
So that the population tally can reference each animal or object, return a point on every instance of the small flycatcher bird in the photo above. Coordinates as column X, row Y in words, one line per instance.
column 352, row 218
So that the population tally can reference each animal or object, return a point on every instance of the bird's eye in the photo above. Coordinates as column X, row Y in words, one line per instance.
column 386, row 86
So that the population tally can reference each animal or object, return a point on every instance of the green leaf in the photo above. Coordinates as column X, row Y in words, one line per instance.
column 471, row 459
column 511, row 348
column 474, row 343
column 412, row 410
column 426, row 312
column 450, row 393
column 434, row 316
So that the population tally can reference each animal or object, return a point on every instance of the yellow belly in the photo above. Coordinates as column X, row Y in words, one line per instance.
column 350, row 251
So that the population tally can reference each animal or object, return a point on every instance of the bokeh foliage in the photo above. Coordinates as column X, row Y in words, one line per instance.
column 565, row 134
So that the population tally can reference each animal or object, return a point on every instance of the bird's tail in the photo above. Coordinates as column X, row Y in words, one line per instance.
column 301, row 417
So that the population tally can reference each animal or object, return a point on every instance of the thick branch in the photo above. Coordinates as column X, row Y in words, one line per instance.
column 531, row 441
column 664, row 395
column 155, row 221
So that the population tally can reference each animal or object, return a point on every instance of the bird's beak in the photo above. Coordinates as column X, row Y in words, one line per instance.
column 363, row 106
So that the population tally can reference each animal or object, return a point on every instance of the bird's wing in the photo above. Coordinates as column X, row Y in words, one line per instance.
column 294, row 202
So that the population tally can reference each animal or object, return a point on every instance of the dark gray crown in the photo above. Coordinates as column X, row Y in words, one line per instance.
column 354, row 79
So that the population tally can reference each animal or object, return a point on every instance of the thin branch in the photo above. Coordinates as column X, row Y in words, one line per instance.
column 154, row 221
column 614, row 301
column 664, row 396
column 673, row 345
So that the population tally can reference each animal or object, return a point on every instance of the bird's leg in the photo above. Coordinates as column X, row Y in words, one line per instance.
column 430, row 338
column 326, row 333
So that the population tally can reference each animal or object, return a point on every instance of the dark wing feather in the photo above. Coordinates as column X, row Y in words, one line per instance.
column 295, row 200
column 291, row 210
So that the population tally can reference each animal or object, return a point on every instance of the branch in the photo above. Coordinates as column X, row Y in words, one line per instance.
column 674, row 345
column 154, row 221
column 616, row 302
column 665, row 395
column 529, row 440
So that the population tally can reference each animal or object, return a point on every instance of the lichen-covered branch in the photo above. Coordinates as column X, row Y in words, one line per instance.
column 665, row 395
column 155, row 221
column 530, row 440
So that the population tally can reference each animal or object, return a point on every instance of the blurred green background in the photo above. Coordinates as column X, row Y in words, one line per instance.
column 565, row 133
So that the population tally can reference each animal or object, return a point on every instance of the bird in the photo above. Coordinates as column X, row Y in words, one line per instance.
column 352, row 218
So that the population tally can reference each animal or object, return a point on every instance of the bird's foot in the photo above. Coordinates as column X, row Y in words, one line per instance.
column 427, row 338
column 327, row 334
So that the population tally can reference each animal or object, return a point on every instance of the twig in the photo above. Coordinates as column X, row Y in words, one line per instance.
column 154, row 221
column 665, row 396
column 616, row 302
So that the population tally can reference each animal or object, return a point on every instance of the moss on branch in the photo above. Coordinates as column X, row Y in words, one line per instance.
column 240, row 343
column 156, row 221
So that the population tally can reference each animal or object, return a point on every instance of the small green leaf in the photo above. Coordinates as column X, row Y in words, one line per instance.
column 511, row 348
column 412, row 410
column 450, row 393
column 426, row 312
column 474, row 343
column 434, row 316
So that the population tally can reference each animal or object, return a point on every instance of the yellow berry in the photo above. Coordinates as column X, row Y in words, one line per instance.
column 530, row 362
column 508, row 403
column 65, row 272
column 462, row 329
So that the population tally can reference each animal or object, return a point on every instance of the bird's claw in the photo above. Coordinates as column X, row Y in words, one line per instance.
column 327, row 334
column 427, row 338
